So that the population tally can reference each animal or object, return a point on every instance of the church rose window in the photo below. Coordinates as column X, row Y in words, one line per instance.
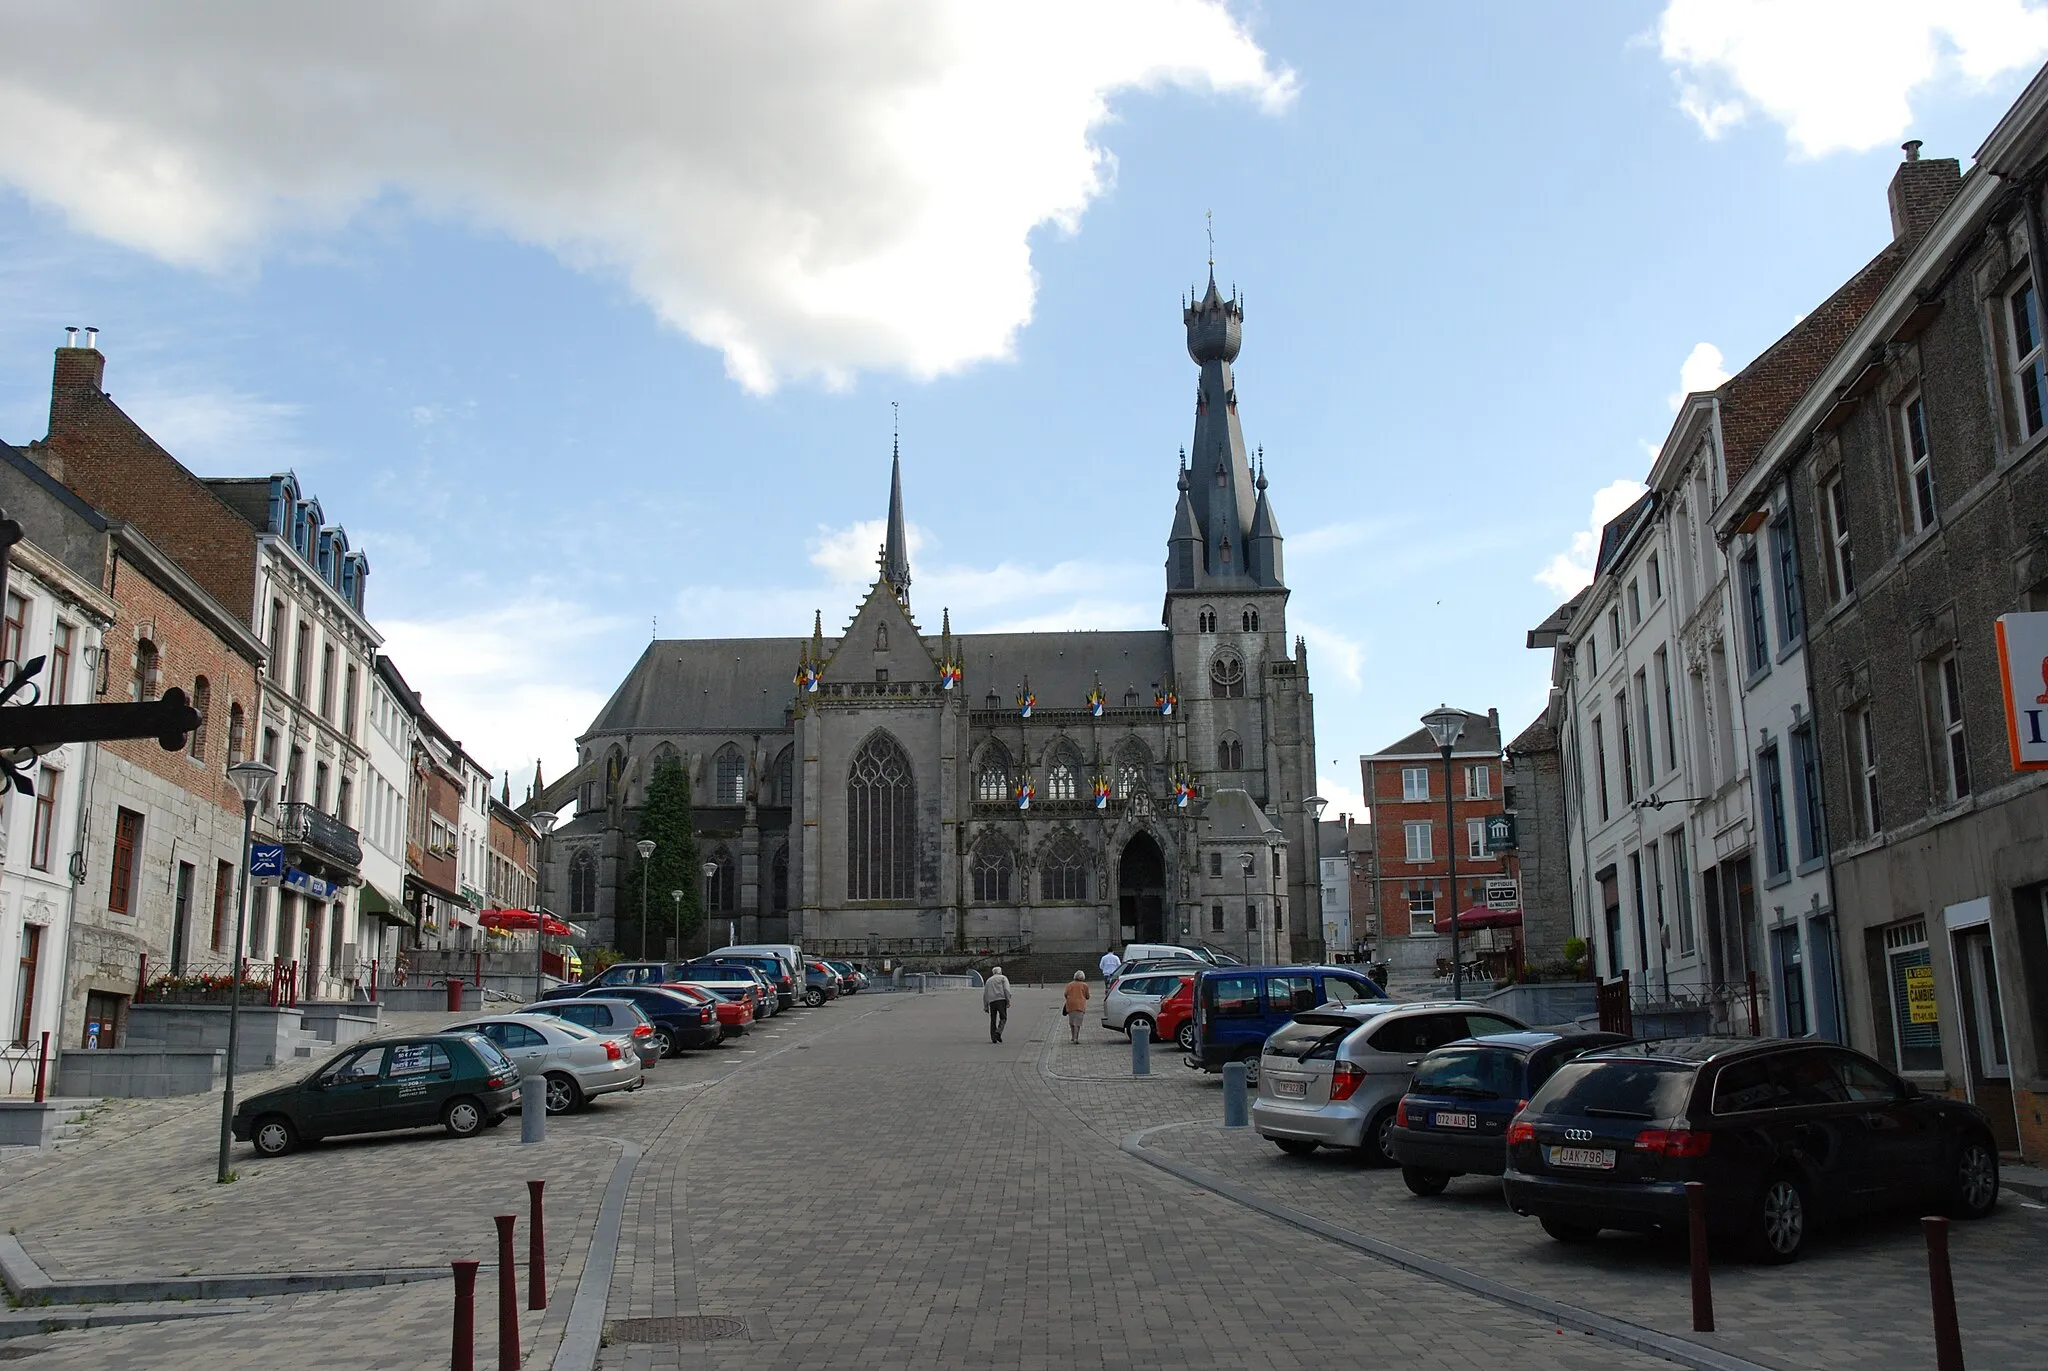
column 992, row 776
column 1226, row 676
column 881, row 814
column 730, row 769
column 991, row 869
column 1063, row 874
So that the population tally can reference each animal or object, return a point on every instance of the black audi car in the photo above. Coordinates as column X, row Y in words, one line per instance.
column 1784, row 1134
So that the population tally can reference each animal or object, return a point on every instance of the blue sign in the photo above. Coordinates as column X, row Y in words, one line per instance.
column 266, row 863
column 295, row 879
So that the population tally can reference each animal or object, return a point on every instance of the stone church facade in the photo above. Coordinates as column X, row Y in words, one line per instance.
column 892, row 788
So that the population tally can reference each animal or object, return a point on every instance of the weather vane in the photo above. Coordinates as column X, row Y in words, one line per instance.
column 1210, row 215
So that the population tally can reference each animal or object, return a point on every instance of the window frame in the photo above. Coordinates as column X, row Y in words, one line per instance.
column 1923, row 506
column 1600, row 767
column 1423, row 850
column 49, row 785
column 1839, row 561
column 2027, row 368
column 1756, row 629
column 1475, row 840
column 1810, row 819
column 126, row 861
column 1478, row 781
column 1411, row 792
column 1785, row 573
column 1952, row 743
column 1777, row 849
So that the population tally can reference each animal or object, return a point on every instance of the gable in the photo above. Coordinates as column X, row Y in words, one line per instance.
column 882, row 638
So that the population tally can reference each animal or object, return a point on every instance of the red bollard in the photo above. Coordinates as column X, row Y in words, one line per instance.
column 536, row 1250
column 508, row 1296
column 462, row 1348
column 1948, row 1337
column 1702, row 1278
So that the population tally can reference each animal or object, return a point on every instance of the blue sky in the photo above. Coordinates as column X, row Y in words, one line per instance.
column 579, row 330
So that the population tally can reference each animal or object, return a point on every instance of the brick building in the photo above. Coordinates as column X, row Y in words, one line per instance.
column 1404, row 784
column 514, row 848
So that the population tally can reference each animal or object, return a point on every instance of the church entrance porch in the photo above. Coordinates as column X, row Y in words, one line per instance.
column 1141, row 891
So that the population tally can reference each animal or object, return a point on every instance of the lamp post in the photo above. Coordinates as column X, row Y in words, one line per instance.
column 1447, row 725
column 710, row 872
column 1316, row 804
column 543, row 823
column 251, row 779
column 645, row 847
column 1244, row 867
column 677, row 896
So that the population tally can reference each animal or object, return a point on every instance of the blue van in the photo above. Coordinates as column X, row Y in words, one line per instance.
column 1238, row 1007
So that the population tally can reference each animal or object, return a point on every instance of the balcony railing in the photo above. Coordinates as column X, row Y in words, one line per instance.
column 300, row 823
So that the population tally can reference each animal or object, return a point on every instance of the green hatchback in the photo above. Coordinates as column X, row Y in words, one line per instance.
column 459, row 1081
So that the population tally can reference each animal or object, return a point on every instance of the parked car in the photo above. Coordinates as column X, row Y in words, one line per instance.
column 1454, row 1119
column 1177, row 1017
column 679, row 1023
column 1238, row 1007
column 1155, row 965
column 1785, row 1134
column 851, row 981
column 618, row 974
column 738, row 1002
column 821, row 983
column 610, row 1018
column 1172, row 952
column 459, row 1081
column 733, row 1016
column 577, row 1063
column 789, row 954
column 773, row 967
column 1334, row 1076
column 1132, row 1000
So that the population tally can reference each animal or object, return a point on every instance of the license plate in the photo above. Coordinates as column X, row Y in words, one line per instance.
column 1591, row 1158
column 1291, row 1090
column 1456, row 1120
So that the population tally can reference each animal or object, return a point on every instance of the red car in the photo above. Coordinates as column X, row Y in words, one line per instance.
column 1177, row 1016
column 733, row 1016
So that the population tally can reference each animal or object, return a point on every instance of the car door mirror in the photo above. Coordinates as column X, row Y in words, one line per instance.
column 1908, row 1090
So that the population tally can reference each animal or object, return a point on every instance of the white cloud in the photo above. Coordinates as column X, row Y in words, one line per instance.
column 1344, row 796
column 1838, row 75
column 1701, row 370
column 1572, row 569
column 217, row 430
column 1331, row 648
column 812, row 189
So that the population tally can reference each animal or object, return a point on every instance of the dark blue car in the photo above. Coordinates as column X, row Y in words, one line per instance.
column 1454, row 1119
column 1238, row 1007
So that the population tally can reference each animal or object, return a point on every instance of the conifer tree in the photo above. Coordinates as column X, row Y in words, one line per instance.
column 665, row 820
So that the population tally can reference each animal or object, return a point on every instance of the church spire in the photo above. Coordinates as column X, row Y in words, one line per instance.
column 896, row 549
column 1217, row 537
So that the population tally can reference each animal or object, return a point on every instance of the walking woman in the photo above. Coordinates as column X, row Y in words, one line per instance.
column 1077, row 1003
column 995, row 998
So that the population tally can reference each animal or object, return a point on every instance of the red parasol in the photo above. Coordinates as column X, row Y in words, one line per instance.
column 521, row 921
column 1481, row 918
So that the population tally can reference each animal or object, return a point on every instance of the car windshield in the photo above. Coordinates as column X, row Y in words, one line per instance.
column 1476, row 1071
column 1609, row 1089
column 1309, row 1040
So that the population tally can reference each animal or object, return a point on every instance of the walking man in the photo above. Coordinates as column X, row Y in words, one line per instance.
column 1109, row 963
column 995, row 998
column 1077, row 1003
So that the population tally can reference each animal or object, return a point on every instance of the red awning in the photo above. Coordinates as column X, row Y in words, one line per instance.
column 521, row 921
column 1481, row 918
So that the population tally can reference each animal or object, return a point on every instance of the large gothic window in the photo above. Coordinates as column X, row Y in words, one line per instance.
column 729, row 776
column 991, row 869
column 725, row 882
column 781, row 780
column 778, row 881
column 1133, row 768
column 1063, row 774
column 1063, row 870
column 1226, row 676
column 1230, row 753
column 992, row 774
column 583, row 883
column 881, row 823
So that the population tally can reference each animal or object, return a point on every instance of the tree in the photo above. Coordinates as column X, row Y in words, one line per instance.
column 666, row 821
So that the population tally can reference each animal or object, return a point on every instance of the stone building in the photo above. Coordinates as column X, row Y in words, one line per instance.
column 1533, row 792
column 1911, row 478
column 932, row 789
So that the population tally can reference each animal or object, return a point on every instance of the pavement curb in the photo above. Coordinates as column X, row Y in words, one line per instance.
column 584, row 1334
column 1683, row 1351
column 29, row 1323
column 27, row 1281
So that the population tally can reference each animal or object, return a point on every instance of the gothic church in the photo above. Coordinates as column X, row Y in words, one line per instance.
column 892, row 789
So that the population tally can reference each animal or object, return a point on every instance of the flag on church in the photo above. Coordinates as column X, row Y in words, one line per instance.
column 949, row 675
column 807, row 678
column 1102, row 792
column 1183, row 791
column 1096, row 700
column 1025, row 701
column 1026, row 792
column 1166, row 700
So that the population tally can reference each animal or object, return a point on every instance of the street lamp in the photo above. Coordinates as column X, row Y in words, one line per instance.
column 710, row 870
column 645, row 847
column 1316, row 804
column 1447, row 725
column 677, row 896
column 1244, row 866
column 252, row 781
column 543, row 823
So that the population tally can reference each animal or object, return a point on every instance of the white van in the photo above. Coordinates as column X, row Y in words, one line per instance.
column 1162, row 952
column 791, row 955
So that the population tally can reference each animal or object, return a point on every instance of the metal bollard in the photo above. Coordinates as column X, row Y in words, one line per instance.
column 1236, row 1112
column 462, row 1346
column 1948, row 1338
column 920, row 983
column 508, row 1296
column 1141, row 1050
column 533, row 1109
column 536, row 1249
column 1702, row 1278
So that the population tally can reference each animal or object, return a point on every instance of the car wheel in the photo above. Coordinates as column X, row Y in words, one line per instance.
column 563, row 1093
column 1568, row 1232
column 1422, row 1181
column 664, row 1043
column 1973, row 1191
column 464, row 1118
column 1185, row 1036
column 1379, row 1139
column 1777, row 1232
column 1294, row 1147
column 1131, row 1026
column 274, row 1135
column 814, row 997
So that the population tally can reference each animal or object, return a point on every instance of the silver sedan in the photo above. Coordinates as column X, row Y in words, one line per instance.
column 577, row 1064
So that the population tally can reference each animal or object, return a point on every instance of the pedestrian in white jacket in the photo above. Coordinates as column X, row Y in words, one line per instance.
column 995, row 998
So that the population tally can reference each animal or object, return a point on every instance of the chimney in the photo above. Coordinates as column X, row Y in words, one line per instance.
column 1920, row 191
column 77, row 377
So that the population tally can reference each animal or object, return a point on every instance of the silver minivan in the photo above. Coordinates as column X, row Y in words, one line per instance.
column 1333, row 1077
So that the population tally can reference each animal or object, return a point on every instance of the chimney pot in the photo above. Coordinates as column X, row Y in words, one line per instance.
column 1912, row 147
column 71, row 336
column 92, row 337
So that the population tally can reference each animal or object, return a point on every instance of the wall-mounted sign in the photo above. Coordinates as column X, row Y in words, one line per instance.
column 1500, row 833
column 1503, row 894
column 266, row 863
column 2023, row 667
column 295, row 879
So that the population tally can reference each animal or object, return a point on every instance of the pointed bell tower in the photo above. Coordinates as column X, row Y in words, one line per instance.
column 896, row 544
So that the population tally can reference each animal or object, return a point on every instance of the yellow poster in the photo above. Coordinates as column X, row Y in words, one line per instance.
column 1920, row 1007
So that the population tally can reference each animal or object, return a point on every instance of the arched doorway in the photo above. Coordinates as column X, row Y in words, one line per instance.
column 1141, row 889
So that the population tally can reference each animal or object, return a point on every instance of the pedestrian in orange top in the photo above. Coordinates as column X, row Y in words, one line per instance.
column 1077, row 1003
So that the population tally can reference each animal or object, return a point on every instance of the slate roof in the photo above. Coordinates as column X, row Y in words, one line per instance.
column 1233, row 815
column 1333, row 838
column 1480, row 736
column 1614, row 536
column 1537, row 737
column 248, row 496
column 1063, row 667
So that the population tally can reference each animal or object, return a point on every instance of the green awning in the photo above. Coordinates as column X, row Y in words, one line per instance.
column 375, row 901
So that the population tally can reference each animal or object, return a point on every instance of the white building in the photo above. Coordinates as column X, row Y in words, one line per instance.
column 1334, row 869
column 389, row 737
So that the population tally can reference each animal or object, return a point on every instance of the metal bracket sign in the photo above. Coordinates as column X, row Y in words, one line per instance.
column 2023, row 672
column 266, row 863
column 1500, row 833
column 1502, row 894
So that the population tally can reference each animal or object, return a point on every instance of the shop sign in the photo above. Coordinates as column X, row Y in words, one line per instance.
column 1503, row 894
column 295, row 879
column 2023, row 672
column 1920, row 1006
column 1500, row 833
column 266, row 863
